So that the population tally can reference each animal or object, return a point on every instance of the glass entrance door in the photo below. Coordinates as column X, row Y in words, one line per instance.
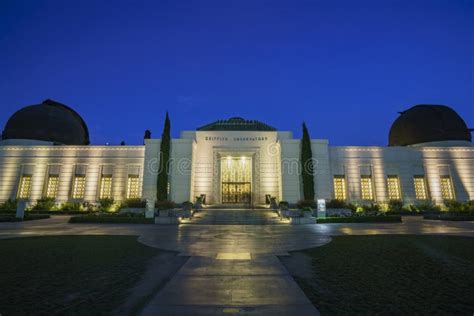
column 235, row 192
column 236, row 179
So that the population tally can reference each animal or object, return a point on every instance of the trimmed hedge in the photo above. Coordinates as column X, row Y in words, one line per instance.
column 450, row 217
column 61, row 212
column 133, row 203
column 28, row 217
column 111, row 219
column 361, row 219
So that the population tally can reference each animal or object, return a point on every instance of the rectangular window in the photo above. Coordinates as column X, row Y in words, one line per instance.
column 24, row 189
column 133, row 187
column 52, row 186
column 366, row 188
column 105, row 187
column 340, row 188
column 393, row 187
column 78, row 187
column 419, row 183
column 447, row 190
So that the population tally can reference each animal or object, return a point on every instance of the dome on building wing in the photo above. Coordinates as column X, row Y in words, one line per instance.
column 428, row 123
column 49, row 121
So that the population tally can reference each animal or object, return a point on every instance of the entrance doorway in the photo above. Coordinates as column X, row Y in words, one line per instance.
column 236, row 179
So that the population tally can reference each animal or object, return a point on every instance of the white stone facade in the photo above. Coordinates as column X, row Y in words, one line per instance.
column 275, row 163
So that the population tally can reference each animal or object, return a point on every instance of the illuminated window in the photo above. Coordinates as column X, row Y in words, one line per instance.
column 447, row 191
column 24, row 188
column 420, row 187
column 105, row 187
column 133, row 187
column 339, row 187
column 393, row 187
column 366, row 188
column 52, row 186
column 78, row 187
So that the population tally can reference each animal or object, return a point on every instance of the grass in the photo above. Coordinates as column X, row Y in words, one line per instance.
column 361, row 219
column 69, row 274
column 392, row 275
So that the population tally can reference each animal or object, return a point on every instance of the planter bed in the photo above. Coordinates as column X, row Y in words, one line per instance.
column 396, row 213
column 450, row 217
column 28, row 217
column 110, row 219
column 60, row 212
column 361, row 219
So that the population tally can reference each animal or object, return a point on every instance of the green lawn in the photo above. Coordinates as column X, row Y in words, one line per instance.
column 69, row 274
column 392, row 275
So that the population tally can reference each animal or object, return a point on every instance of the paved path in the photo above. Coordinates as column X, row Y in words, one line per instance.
column 232, row 268
column 259, row 285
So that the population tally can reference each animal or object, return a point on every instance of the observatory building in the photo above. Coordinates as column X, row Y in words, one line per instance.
column 45, row 152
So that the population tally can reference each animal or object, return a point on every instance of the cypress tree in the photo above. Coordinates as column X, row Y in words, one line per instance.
column 307, row 170
column 162, row 180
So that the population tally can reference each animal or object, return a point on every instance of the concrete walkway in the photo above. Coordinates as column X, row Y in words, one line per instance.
column 259, row 285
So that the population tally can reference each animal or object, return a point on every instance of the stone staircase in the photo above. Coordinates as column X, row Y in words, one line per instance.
column 235, row 216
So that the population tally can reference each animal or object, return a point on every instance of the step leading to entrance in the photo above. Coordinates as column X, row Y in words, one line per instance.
column 235, row 216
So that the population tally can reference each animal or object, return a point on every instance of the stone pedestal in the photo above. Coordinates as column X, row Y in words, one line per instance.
column 20, row 209
column 150, row 208
column 321, row 208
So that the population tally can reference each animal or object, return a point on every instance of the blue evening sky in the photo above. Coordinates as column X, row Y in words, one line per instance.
column 344, row 67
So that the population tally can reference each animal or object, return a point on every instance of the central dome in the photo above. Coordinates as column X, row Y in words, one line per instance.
column 49, row 121
column 236, row 124
column 428, row 123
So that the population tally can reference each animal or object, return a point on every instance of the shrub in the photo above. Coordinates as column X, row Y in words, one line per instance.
column 370, row 209
column 306, row 203
column 44, row 204
column 361, row 219
column 406, row 210
column 107, row 204
column 165, row 205
column 455, row 206
column 134, row 203
column 71, row 206
column 8, row 206
column 334, row 203
column 395, row 206
column 340, row 204
column 428, row 208
column 471, row 205
column 283, row 203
